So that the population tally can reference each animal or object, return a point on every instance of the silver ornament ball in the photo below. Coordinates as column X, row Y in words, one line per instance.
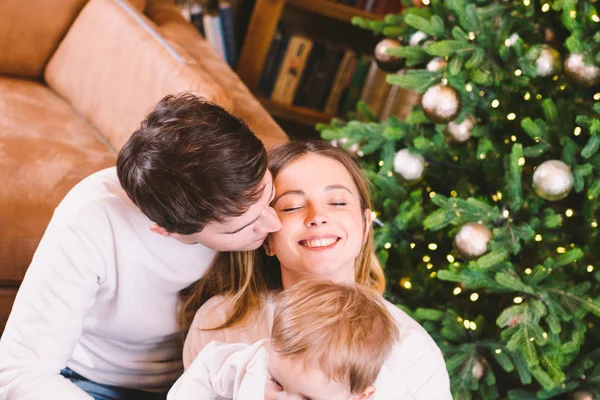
column 441, row 103
column 547, row 60
column 478, row 370
column 472, row 239
column 409, row 166
column 385, row 61
column 579, row 72
column 461, row 132
column 417, row 38
column 583, row 395
column 553, row 180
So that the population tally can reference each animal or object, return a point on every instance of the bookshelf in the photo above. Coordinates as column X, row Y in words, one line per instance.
column 263, row 23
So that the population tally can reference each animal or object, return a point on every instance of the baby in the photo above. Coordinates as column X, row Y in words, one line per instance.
column 328, row 342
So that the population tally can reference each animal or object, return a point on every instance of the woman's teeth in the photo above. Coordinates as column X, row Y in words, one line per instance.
column 318, row 242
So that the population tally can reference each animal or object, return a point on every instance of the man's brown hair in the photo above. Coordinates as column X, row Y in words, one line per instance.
column 343, row 329
column 191, row 163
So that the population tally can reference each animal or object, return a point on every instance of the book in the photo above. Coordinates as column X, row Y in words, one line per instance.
column 273, row 61
column 353, row 92
column 343, row 72
column 196, row 17
column 292, row 66
column 307, row 81
column 219, row 37
column 325, row 75
column 376, row 88
column 226, row 17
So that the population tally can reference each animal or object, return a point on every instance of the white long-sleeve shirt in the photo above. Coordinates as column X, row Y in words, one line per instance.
column 415, row 370
column 100, row 297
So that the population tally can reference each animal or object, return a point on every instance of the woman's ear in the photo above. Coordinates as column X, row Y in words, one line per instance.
column 267, row 247
column 366, row 394
column 368, row 222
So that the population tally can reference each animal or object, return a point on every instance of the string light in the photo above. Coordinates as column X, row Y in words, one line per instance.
column 538, row 238
column 429, row 265
column 597, row 96
column 590, row 268
column 526, row 3
column 561, row 250
column 381, row 163
column 432, row 195
column 538, row 96
column 562, row 87
column 499, row 194
column 495, row 103
column 428, row 188
column 469, row 87
column 531, row 339
column 505, row 213
column 506, row 141
column 555, row 78
column 450, row 258
column 594, row 224
column 412, row 245
column 545, row 7
column 577, row 131
column 457, row 290
column 482, row 156
column 527, row 96
column 471, row 36
column 390, row 174
column 511, row 116
column 572, row 245
column 518, row 300
column 545, row 335
column 481, row 93
column 528, row 271
column 433, row 274
column 595, row 18
column 444, row 81
column 432, row 246
column 573, row 14
column 405, row 283
column 569, row 213
column 466, row 323
column 474, row 297
column 426, row 258
column 387, row 245
column 513, row 138
column 518, row 72
column 459, row 319
column 455, row 158
column 426, row 2
column 521, row 161
column 453, row 193
column 498, row 351
column 472, row 325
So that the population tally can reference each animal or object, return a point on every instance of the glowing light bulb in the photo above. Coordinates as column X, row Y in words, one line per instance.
column 528, row 271
column 521, row 161
column 450, row 258
column 474, row 297
column 546, row 7
column 495, row 103
column 569, row 213
column 590, row 268
column 518, row 300
column 561, row 250
column 577, row 131
column 527, row 96
column 538, row 238
column 518, row 72
column 457, row 290
column 511, row 116
column 387, row 245
column 426, row 258
column 432, row 246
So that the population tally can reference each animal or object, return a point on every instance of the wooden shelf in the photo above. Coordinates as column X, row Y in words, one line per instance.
column 301, row 115
column 332, row 10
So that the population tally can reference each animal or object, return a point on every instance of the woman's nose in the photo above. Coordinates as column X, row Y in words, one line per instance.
column 316, row 217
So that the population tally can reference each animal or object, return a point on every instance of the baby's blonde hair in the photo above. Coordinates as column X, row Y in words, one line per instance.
column 345, row 330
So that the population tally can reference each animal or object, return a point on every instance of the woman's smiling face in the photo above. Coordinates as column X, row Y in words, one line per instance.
column 322, row 224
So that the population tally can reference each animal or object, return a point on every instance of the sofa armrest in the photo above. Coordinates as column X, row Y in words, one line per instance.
column 173, row 26
column 113, row 66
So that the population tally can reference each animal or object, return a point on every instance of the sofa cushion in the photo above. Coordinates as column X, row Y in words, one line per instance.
column 245, row 105
column 31, row 30
column 45, row 149
column 113, row 67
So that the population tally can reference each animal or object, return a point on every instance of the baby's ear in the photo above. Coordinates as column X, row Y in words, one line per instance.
column 267, row 247
column 366, row 394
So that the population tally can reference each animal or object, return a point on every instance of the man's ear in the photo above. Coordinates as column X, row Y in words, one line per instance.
column 267, row 247
column 366, row 394
column 159, row 230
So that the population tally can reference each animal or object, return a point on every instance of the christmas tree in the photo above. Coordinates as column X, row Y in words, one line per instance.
column 486, row 195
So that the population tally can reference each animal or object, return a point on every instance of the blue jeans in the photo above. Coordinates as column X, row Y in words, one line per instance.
column 106, row 392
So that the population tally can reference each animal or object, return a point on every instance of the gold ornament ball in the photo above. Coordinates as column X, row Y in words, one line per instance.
column 553, row 180
column 583, row 395
column 461, row 132
column 471, row 240
column 547, row 60
column 580, row 73
column 436, row 64
column 409, row 166
column 441, row 103
column 385, row 61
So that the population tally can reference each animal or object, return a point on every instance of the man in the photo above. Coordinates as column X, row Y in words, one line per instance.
column 96, row 312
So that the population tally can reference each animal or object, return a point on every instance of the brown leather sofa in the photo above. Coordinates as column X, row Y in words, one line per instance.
column 76, row 78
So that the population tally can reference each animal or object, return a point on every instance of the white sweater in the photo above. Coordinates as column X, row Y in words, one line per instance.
column 415, row 370
column 99, row 297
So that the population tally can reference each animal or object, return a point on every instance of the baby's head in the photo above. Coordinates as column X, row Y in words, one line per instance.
column 329, row 341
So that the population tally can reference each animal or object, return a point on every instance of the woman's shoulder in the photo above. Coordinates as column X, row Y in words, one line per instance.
column 416, row 361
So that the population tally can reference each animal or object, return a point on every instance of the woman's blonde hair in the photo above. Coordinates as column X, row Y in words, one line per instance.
column 344, row 330
column 248, row 276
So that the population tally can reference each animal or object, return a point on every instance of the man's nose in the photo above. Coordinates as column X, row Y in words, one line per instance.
column 271, row 222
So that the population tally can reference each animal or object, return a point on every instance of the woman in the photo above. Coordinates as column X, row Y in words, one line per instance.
column 322, row 200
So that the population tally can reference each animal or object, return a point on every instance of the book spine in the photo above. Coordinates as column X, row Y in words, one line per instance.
column 219, row 37
column 339, row 83
column 309, row 75
column 291, row 70
column 197, row 16
column 209, row 30
column 228, row 32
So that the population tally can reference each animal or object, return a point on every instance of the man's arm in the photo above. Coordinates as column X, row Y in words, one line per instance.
column 47, row 317
column 219, row 370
